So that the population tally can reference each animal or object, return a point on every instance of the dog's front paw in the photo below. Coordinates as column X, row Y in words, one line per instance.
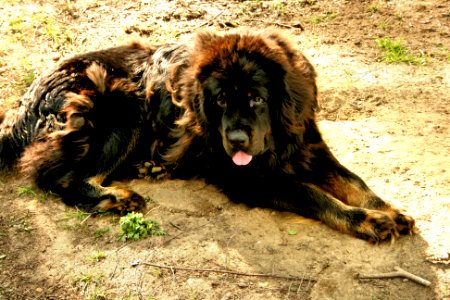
column 121, row 199
column 376, row 227
column 405, row 223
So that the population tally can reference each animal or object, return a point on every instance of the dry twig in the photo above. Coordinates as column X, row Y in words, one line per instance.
column 207, row 22
column 297, row 25
column 175, row 268
column 399, row 272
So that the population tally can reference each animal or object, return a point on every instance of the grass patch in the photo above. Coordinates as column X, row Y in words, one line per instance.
column 133, row 226
column 90, row 285
column 97, row 256
column 29, row 78
column 326, row 17
column 21, row 223
column 74, row 220
column 59, row 34
column 78, row 214
column 393, row 51
column 384, row 25
column 279, row 7
column 88, row 278
column 100, row 232
column 26, row 191
column 28, row 28
column 373, row 8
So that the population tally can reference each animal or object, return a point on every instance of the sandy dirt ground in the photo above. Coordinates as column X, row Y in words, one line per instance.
column 388, row 122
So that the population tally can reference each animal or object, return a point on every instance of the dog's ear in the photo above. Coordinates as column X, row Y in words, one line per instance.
column 300, row 105
column 300, row 100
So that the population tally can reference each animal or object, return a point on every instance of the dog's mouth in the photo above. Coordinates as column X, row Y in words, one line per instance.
column 241, row 158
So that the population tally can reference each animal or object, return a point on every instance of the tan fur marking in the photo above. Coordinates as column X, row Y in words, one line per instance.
column 98, row 75
column 349, row 192
column 77, row 103
column 97, row 180
column 124, row 199
column 123, row 84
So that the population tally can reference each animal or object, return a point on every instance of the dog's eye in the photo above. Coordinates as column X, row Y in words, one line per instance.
column 257, row 101
column 221, row 102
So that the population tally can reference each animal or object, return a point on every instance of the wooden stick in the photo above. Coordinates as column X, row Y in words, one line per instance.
column 174, row 268
column 399, row 273
column 298, row 25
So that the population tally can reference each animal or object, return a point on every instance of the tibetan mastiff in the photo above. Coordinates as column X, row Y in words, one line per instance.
column 237, row 109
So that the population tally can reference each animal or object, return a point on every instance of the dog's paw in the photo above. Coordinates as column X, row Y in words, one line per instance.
column 405, row 224
column 121, row 199
column 377, row 227
column 150, row 170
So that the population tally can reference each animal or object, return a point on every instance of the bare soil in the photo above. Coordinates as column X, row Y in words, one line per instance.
column 387, row 122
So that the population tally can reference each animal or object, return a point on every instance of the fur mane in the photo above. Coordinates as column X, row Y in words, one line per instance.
column 291, row 115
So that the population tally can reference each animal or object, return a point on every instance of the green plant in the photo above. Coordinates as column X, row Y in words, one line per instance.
column 17, row 25
column 89, row 277
column 97, row 294
column 393, row 51
column 133, row 226
column 78, row 214
column 89, row 283
column 97, row 256
column 26, row 191
column 29, row 78
column 279, row 7
column 29, row 191
column 373, row 8
column 74, row 219
column 384, row 25
column 100, row 232
column 326, row 17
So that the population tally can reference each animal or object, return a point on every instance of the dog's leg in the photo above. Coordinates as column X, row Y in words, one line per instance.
column 68, row 164
column 310, row 201
column 91, row 195
column 75, row 159
column 352, row 190
column 333, row 178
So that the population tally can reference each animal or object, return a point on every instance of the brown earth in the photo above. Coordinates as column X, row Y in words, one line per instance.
column 387, row 122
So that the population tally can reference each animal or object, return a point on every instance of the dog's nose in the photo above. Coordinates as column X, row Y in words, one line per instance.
column 238, row 138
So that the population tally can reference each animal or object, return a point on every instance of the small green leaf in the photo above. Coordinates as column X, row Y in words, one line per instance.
column 292, row 232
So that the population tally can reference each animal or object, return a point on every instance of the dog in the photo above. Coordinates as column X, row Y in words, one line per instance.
column 236, row 109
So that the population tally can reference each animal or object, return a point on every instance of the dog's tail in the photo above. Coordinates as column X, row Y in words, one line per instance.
column 14, row 136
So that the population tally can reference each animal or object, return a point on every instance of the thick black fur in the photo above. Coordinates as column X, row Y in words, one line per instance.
column 237, row 110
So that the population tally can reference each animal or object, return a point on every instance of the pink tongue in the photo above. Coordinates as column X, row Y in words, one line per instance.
column 241, row 158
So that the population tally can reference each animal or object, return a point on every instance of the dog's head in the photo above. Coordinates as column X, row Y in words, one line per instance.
column 254, row 90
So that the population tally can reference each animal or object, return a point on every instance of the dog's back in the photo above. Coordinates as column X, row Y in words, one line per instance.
column 40, row 109
column 90, row 117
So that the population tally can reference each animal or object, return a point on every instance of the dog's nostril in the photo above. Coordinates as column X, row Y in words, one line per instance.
column 238, row 138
